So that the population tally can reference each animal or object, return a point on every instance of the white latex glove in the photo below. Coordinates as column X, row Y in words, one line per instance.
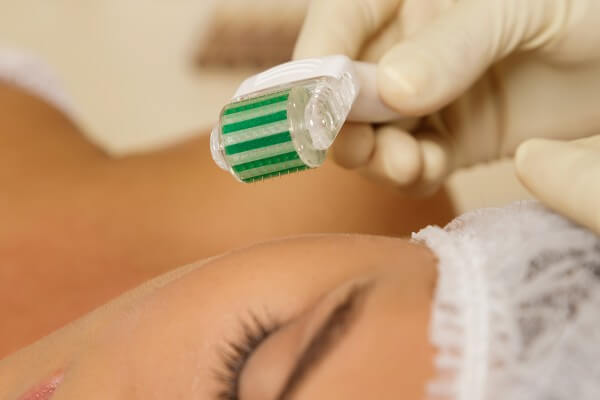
column 565, row 176
column 484, row 75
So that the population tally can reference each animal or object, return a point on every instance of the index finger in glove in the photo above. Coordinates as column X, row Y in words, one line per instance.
column 341, row 26
column 565, row 176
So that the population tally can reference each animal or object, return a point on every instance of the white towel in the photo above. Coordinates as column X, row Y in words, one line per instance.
column 33, row 75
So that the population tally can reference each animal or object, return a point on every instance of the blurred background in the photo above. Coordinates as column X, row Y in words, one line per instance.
column 144, row 74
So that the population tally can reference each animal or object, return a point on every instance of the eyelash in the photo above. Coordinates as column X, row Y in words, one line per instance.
column 236, row 353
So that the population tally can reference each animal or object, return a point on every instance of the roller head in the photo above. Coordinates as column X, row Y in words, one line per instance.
column 262, row 137
column 282, row 129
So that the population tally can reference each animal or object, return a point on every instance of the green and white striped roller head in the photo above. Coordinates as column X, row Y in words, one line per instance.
column 282, row 129
column 265, row 136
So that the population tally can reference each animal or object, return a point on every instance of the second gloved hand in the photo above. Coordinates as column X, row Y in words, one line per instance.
column 482, row 76
column 565, row 176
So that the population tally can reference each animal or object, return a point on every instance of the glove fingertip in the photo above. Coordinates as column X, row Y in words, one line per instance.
column 354, row 146
column 530, row 154
column 397, row 157
column 400, row 82
column 436, row 163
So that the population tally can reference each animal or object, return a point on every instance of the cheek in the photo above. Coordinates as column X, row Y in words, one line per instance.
column 153, row 352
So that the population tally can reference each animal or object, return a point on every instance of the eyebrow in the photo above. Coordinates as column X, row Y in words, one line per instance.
column 338, row 323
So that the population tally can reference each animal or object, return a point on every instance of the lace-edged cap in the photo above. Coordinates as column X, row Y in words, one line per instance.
column 515, row 314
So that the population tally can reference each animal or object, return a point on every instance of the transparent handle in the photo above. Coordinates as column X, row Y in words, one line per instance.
column 329, row 105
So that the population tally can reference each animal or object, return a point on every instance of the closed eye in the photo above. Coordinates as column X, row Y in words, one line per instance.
column 338, row 323
column 236, row 353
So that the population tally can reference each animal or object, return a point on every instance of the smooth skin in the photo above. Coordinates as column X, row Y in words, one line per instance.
column 79, row 227
column 165, row 340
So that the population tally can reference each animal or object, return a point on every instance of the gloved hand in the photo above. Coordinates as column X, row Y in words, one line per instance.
column 565, row 176
column 481, row 75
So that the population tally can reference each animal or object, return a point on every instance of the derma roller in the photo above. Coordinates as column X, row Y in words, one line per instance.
column 285, row 119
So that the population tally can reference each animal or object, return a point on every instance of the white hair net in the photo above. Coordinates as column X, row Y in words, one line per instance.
column 517, row 308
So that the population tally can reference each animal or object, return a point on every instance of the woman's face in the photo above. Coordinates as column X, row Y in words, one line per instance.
column 320, row 317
